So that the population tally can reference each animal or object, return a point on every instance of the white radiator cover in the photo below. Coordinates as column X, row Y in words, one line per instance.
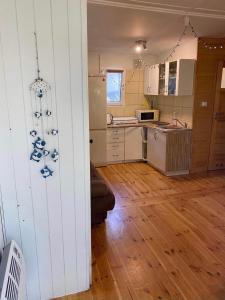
column 12, row 273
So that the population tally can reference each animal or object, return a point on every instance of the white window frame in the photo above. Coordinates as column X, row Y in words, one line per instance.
column 122, row 87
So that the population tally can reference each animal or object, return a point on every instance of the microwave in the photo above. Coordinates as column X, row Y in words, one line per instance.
column 147, row 115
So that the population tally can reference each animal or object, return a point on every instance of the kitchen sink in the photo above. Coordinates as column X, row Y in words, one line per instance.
column 160, row 123
column 171, row 126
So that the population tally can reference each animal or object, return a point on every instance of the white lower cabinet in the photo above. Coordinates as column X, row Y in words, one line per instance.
column 156, row 149
column 124, row 144
column 98, row 147
column 115, row 145
column 169, row 152
column 133, row 143
column 115, row 152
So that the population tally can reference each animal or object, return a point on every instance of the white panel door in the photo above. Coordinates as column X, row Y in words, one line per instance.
column 133, row 143
column 45, row 217
column 98, row 147
column 17, row 207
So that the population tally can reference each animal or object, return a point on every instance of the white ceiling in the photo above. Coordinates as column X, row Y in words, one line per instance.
column 114, row 26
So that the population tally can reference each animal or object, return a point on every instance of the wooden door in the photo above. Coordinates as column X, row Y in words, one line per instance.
column 217, row 146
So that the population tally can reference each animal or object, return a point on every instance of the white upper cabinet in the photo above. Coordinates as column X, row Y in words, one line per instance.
column 151, row 81
column 162, row 79
column 146, row 80
column 170, row 78
column 180, row 77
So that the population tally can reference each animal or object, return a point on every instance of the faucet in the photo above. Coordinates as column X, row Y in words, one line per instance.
column 183, row 124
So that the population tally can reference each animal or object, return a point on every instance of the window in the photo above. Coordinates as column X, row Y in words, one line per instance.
column 114, row 87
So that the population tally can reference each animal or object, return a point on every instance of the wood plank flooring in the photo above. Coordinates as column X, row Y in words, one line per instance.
column 165, row 239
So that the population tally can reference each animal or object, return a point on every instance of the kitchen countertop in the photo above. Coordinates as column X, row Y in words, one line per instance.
column 146, row 125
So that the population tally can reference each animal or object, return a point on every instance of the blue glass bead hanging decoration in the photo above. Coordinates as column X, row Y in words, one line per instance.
column 33, row 133
column 36, row 155
column 48, row 113
column 46, row 172
column 39, row 143
column 39, row 93
column 37, row 114
column 40, row 89
column 45, row 152
column 54, row 131
column 55, row 155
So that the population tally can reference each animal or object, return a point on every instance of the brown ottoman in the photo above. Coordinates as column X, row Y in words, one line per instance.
column 102, row 198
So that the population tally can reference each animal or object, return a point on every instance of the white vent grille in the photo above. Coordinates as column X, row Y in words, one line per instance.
column 12, row 290
column 12, row 273
column 15, row 270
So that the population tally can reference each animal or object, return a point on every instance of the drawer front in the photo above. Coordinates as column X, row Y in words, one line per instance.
column 115, row 135
column 115, row 153
column 115, row 147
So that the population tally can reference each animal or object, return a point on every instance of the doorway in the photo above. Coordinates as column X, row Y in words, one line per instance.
column 217, row 145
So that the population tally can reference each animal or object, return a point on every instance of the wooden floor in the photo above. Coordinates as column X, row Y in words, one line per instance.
column 165, row 239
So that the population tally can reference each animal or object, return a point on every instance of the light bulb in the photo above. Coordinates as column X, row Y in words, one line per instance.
column 138, row 48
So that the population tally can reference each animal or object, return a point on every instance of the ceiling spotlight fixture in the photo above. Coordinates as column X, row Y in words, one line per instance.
column 140, row 45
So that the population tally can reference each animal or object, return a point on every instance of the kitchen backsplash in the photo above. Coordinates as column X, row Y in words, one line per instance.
column 180, row 107
column 134, row 95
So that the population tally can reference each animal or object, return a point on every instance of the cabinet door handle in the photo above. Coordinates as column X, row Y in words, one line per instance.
column 91, row 141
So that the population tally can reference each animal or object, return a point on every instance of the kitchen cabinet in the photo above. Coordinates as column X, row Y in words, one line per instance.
column 115, row 145
column 173, row 78
column 98, row 147
column 156, row 149
column 169, row 151
column 179, row 78
column 162, row 78
column 124, row 144
column 151, row 80
column 133, row 143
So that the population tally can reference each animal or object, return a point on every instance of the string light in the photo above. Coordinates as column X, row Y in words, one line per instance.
column 188, row 25
column 204, row 44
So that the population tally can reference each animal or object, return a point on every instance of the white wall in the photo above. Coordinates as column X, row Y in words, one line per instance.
column 134, row 86
column 187, row 49
column 2, row 226
column 98, row 62
column 49, row 219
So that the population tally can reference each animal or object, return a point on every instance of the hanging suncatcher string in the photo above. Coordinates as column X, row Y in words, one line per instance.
column 41, row 152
